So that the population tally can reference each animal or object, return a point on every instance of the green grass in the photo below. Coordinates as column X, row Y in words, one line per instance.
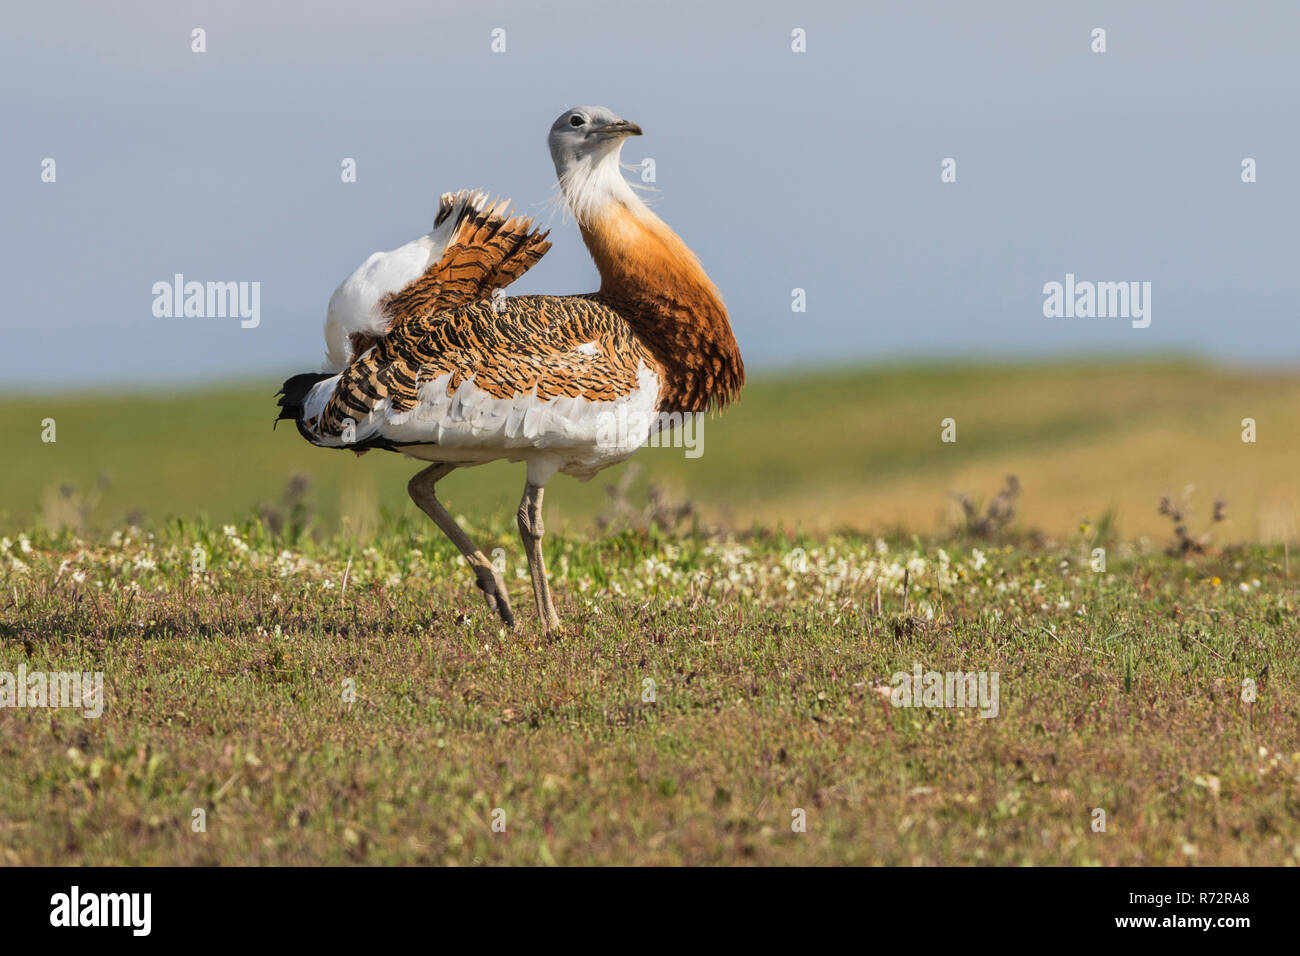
column 819, row 451
column 1119, row 691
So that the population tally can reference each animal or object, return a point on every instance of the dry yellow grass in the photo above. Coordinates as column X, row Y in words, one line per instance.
column 1082, row 442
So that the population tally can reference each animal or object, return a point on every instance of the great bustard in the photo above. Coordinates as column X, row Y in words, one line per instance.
column 425, row 360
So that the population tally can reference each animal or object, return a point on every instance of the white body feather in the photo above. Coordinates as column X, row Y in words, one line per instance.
column 354, row 306
column 470, row 427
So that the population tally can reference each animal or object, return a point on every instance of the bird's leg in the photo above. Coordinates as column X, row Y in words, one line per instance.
column 531, row 531
column 421, row 490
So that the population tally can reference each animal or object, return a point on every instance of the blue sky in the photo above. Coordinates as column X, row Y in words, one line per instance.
column 818, row 170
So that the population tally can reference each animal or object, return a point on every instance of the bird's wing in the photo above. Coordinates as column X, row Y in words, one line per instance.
column 513, row 372
column 359, row 310
column 489, row 249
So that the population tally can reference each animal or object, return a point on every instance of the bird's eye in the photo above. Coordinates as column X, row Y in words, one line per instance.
column 576, row 120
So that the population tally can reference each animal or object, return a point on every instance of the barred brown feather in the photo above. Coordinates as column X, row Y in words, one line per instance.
column 487, row 253
column 509, row 347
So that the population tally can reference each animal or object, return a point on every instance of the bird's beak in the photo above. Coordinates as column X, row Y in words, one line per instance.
column 620, row 128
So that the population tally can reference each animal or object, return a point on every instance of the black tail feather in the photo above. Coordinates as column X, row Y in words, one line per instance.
column 293, row 393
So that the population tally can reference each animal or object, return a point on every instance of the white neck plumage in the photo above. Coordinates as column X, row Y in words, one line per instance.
column 591, row 186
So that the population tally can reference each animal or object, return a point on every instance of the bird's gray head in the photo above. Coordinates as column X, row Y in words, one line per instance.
column 586, row 135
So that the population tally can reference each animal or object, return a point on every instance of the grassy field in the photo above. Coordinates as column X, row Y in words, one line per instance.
column 820, row 453
column 303, row 672
column 226, row 692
